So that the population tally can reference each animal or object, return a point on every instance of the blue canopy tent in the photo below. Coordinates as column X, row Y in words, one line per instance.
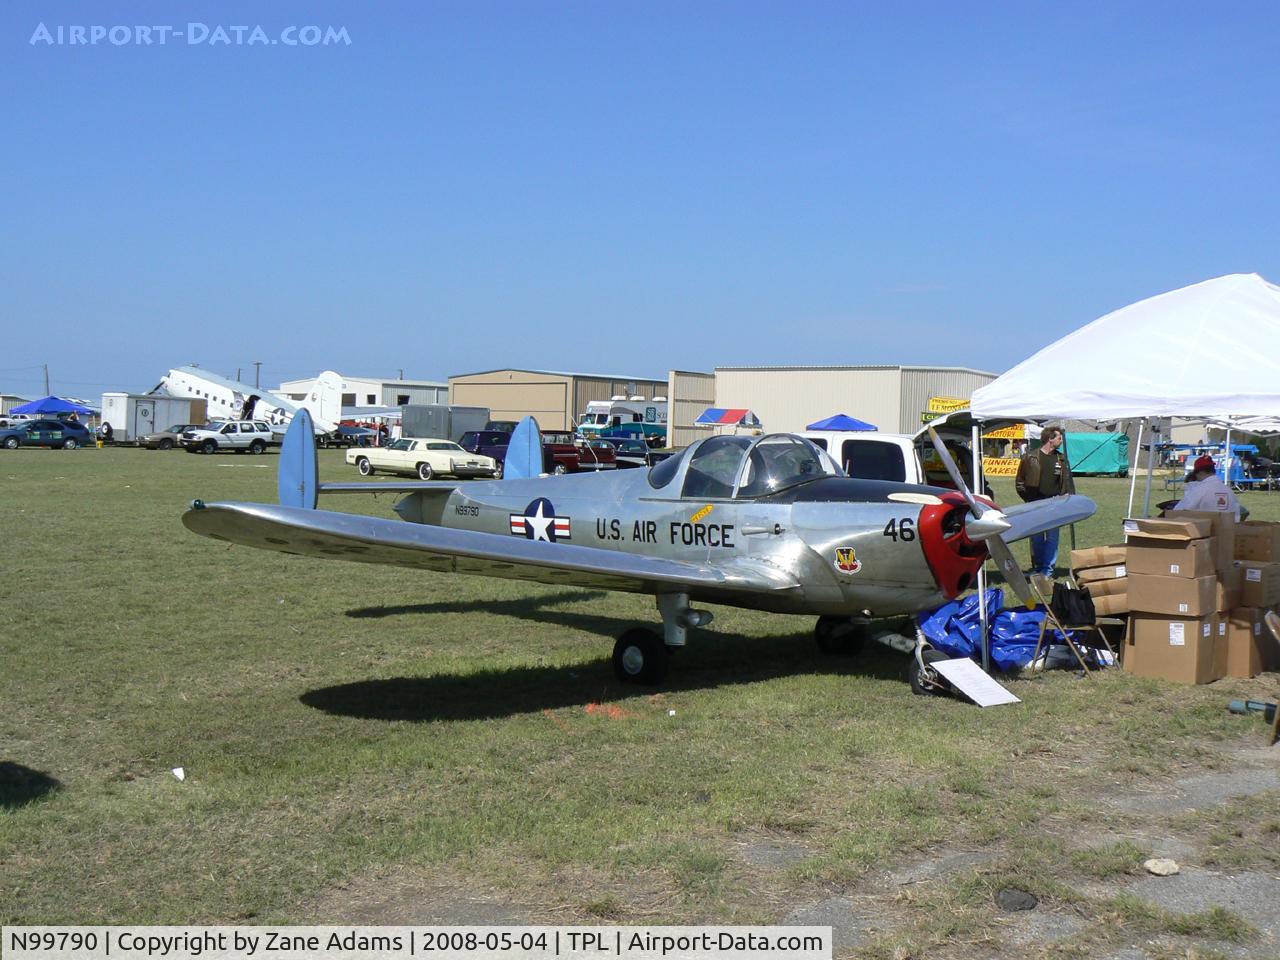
column 841, row 421
column 53, row 405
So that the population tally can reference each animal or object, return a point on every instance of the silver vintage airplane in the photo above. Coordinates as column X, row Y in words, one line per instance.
column 768, row 523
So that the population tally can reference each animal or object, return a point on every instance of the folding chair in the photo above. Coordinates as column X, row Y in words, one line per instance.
column 1086, row 631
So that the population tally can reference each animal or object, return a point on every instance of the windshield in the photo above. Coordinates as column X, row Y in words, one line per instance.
column 731, row 466
column 401, row 445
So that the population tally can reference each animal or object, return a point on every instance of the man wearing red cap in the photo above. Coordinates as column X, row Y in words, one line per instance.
column 1205, row 491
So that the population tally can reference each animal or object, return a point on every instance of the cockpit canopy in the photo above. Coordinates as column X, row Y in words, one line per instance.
column 742, row 468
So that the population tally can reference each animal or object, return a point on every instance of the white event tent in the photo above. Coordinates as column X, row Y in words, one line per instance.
column 1208, row 351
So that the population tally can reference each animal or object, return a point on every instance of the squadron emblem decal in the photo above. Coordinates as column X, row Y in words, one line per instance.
column 539, row 522
column 847, row 560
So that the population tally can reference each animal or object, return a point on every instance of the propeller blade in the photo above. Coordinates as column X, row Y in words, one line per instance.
column 1012, row 571
column 945, row 455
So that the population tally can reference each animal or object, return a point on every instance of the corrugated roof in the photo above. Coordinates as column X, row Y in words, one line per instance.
column 563, row 373
column 862, row 366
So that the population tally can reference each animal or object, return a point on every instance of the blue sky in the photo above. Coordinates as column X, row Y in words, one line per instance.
column 619, row 187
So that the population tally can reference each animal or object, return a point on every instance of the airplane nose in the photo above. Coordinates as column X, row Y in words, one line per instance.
column 992, row 523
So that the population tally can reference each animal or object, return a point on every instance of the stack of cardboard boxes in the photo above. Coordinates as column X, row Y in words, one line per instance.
column 1103, row 571
column 1196, row 607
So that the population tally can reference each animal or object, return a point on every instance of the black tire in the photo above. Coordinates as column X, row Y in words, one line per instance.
column 257, row 447
column 918, row 684
column 165, row 444
column 364, row 466
column 497, row 472
column 209, row 446
column 11, row 443
column 70, row 443
column 559, row 470
column 425, row 472
column 640, row 656
column 839, row 636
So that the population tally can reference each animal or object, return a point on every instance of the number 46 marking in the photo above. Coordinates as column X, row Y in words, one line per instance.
column 904, row 529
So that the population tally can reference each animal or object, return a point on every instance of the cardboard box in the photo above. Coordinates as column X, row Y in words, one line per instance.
column 1160, row 528
column 1241, row 641
column 1230, row 590
column 1172, row 558
column 1172, row 648
column 1111, row 604
column 1224, row 532
column 1098, row 557
column 1260, row 586
column 1095, row 574
column 1173, row 596
column 1257, row 540
column 1107, row 588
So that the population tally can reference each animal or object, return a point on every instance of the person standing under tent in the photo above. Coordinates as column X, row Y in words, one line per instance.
column 1044, row 472
column 1205, row 491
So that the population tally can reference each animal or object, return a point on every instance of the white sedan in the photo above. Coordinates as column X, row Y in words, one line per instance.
column 427, row 459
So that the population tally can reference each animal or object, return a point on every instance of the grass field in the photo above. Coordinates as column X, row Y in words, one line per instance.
column 351, row 730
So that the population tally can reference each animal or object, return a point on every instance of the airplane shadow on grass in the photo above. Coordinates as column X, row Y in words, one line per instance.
column 711, row 660
column 20, row 785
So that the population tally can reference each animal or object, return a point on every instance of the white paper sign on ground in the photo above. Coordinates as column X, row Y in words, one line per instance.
column 967, row 677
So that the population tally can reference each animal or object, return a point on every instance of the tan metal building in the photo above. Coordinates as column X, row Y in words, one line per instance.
column 789, row 398
column 555, row 400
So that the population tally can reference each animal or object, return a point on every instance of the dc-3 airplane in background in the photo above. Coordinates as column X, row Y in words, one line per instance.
column 768, row 523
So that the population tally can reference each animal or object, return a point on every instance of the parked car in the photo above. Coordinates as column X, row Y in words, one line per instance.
column 168, row 438
column 427, row 458
column 488, row 443
column 631, row 452
column 61, row 434
column 349, row 436
column 562, row 452
column 252, row 436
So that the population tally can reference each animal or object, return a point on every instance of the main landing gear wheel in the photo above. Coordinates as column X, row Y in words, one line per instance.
column 840, row 636
column 640, row 656
column 923, row 686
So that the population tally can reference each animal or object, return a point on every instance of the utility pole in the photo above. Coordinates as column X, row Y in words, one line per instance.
column 46, row 380
column 257, row 369
column 237, row 374
column 401, row 374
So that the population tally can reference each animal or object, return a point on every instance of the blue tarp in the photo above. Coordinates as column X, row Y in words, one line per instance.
column 841, row 422
column 52, row 405
column 954, row 628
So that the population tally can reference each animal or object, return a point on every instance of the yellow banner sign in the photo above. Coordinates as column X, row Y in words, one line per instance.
column 1000, row 466
column 947, row 404
column 1016, row 432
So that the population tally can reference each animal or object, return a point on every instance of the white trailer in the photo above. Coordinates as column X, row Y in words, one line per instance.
column 134, row 415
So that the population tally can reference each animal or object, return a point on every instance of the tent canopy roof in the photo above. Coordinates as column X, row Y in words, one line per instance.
column 1208, row 350
column 52, row 405
column 842, row 421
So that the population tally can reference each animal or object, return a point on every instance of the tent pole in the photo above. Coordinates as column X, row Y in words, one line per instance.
column 1133, row 474
column 1151, row 457
column 976, row 473
column 1226, row 466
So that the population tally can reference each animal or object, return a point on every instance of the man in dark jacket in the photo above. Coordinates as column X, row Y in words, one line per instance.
column 1043, row 473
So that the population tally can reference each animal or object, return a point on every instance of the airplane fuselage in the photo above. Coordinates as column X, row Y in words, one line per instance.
column 853, row 550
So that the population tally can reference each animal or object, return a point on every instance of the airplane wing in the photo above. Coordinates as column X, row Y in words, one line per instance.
column 1042, row 515
column 321, row 533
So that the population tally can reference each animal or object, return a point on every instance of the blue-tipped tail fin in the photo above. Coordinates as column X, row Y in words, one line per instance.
column 524, row 452
column 299, row 477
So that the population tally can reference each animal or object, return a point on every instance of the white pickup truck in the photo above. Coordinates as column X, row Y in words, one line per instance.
column 252, row 436
column 872, row 455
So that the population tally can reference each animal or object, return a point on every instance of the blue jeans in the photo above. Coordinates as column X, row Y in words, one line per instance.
column 1044, row 551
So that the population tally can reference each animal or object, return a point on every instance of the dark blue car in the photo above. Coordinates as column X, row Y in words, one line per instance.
column 63, row 434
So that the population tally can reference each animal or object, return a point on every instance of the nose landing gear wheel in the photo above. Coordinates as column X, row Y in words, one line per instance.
column 640, row 656
column 923, row 685
column 839, row 636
